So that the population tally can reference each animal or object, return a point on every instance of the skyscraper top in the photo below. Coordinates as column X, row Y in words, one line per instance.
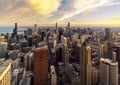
column 39, row 48
column 68, row 24
column 108, row 61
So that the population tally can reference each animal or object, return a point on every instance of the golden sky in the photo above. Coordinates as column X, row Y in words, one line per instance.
column 79, row 12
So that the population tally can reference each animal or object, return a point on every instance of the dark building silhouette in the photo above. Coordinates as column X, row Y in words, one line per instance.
column 41, row 66
column 59, row 54
column 60, row 33
column 69, row 30
column 56, row 28
column 108, row 34
column 108, row 49
column 30, row 41
column 15, row 29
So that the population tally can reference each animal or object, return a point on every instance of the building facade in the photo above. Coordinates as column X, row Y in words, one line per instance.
column 41, row 66
column 5, row 73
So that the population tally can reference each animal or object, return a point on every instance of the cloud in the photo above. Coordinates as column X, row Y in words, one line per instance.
column 87, row 12
column 71, row 8
column 116, row 18
column 44, row 7
column 48, row 11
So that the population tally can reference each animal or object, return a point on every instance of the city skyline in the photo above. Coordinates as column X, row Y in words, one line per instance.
column 79, row 12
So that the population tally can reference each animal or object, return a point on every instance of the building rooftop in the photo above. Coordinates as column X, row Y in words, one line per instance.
column 4, row 65
column 108, row 61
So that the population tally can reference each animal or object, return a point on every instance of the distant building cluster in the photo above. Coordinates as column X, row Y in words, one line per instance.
column 60, row 55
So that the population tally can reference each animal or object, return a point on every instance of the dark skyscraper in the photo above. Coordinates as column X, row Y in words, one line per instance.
column 69, row 31
column 30, row 41
column 85, row 65
column 41, row 66
column 16, row 28
column 108, row 49
column 56, row 27
column 108, row 34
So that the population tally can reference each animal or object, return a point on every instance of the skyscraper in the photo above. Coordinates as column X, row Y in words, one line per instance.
column 69, row 30
column 56, row 28
column 5, row 73
column 3, row 49
column 108, row 49
column 30, row 41
column 108, row 34
column 36, row 28
column 85, row 65
column 118, row 57
column 41, row 66
column 108, row 72
column 100, row 51
column 15, row 29
column 65, row 48
column 94, row 76
column 53, row 75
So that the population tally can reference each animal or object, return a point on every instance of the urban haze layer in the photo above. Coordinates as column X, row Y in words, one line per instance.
column 60, row 55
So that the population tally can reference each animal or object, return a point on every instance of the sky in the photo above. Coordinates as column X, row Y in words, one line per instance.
column 78, row 12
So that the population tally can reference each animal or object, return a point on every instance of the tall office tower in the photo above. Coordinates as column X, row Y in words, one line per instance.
column 78, row 47
column 94, row 76
column 100, row 51
column 35, row 28
column 23, row 44
column 108, row 34
column 15, row 29
column 5, row 73
column 58, row 54
column 108, row 49
column 60, row 33
column 85, row 65
column 30, row 41
column 28, row 61
column 108, row 72
column 29, row 31
column 54, row 43
column 69, row 30
column 53, row 75
column 41, row 66
column 3, row 49
column 56, row 28
column 65, row 47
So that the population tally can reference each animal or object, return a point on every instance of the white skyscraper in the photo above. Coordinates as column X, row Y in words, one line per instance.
column 108, row 72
